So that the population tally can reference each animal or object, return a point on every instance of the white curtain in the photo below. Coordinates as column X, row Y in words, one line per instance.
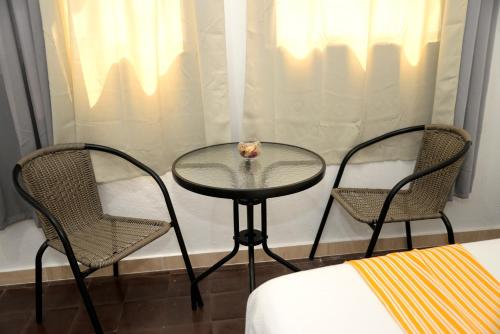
column 328, row 74
column 146, row 77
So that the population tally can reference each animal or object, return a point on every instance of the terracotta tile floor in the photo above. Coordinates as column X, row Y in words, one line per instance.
column 144, row 303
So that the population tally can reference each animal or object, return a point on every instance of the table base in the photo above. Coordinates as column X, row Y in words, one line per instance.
column 244, row 235
column 250, row 238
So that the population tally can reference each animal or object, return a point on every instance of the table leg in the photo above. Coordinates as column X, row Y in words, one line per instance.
column 236, row 223
column 251, row 264
column 264, row 241
column 249, row 240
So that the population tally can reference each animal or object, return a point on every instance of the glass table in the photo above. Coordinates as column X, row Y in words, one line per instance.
column 220, row 171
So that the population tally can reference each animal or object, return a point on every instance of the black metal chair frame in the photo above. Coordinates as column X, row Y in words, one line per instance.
column 376, row 226
column 80, row 275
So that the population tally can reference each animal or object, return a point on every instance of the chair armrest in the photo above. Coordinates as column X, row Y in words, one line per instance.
column 143, row 167
column 44, row 211
column 371, row 142
column 417, row 175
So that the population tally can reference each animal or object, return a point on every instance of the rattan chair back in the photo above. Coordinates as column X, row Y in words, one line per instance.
column 62, row 179
column 439, row 143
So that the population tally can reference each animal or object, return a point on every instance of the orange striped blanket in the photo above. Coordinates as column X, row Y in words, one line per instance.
column 436, row 290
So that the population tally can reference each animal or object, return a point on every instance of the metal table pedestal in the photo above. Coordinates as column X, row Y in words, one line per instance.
column 250, row 237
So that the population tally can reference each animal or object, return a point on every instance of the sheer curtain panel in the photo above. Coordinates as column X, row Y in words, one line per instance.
column 146, row 77
column 328, row 74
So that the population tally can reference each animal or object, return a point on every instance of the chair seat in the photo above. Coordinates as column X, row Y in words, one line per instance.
column 365, row 205
column 110, row 239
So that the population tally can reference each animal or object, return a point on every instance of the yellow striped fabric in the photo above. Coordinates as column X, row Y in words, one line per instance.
column 436, row 290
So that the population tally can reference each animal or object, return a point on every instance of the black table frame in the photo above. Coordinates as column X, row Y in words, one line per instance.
column 249, row 237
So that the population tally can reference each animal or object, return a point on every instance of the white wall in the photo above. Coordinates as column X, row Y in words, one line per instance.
column 206, row 222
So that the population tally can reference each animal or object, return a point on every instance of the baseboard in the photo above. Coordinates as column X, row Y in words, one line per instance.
column 207, row 259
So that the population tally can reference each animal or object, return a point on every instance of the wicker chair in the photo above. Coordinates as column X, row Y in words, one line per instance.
column 438, row 163
column 59, row 182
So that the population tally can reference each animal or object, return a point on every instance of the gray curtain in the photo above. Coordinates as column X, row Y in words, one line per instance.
column 474, row 75
column 25, row 122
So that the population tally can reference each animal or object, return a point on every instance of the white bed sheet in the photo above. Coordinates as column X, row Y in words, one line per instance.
column 333, row 299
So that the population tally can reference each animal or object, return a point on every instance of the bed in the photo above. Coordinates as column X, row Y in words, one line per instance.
column 334, row 299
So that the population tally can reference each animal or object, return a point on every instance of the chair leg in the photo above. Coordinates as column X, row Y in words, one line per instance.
column 79, row 278
column 321, row 227
column 449, row 229
column 38, row 282
column 196, row 299
column 116, row 272
column 409, row 244
column 373, row 241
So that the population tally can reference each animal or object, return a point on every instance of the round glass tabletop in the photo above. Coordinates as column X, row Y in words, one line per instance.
column 220, row 171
